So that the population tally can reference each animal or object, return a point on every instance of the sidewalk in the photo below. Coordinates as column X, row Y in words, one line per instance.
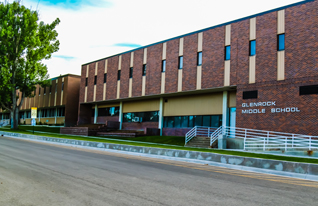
column 283, row 168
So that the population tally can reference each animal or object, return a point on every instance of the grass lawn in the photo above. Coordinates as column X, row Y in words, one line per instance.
column 40, row 128
column 157, row 143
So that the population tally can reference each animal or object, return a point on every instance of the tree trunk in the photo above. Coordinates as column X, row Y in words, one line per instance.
column 16, row 118
column 12, row 119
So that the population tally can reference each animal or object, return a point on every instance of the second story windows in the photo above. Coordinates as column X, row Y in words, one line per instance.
column 180, row 63
column 280, row 42
column 105, row 77
column 163, row 66
column 131, row 69
column 199, row 58
column 227, row 55
column 252, row 48
column 86, row 81
column 95, row 80
column 144, row 69
column 118, row 75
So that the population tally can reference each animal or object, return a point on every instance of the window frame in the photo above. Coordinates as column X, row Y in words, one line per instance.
column 118, row 75
column 105, row 78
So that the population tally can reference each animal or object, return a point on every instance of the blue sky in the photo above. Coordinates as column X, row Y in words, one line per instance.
column 74, row 4
column 94, row 29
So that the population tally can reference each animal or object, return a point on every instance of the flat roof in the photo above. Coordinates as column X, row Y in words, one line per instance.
column 64, row 75
column 198, row 31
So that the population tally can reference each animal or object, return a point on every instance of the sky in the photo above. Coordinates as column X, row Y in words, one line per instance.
column 95, row 29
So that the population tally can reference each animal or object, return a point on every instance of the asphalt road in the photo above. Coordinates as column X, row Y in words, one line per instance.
column 42, row 174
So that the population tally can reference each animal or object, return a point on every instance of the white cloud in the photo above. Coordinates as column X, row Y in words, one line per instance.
column 89, row 33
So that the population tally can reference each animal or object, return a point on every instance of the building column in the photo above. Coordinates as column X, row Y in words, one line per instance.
column 160, row 125
column 225, row 110
column 120, row 115
column 95, row 114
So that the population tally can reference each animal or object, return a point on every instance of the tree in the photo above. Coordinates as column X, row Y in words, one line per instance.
column 24, row 43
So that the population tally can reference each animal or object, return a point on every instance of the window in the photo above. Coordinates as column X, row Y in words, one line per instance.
column 86, row 81
column 227, row 53
column 144, row 68
column 250, row 94
column 180, row 63
column 306, row 90
column 118, row 75
column 108, row 111
column 191, row 121
column 60, row 112
column 131, row 72
column 253, row 48
column 62, row 86
column 163, row 66
column 105, row 77
column 199, row 58
column 280, row 42
column 95, row 80
column 142, row 117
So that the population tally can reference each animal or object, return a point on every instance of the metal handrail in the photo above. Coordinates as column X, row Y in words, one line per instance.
column 199, row 131
column 262, row 139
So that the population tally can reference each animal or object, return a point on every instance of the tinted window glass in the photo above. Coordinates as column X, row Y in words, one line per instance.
column 252, row 48
column 180, row 62
column 250, row 94
column 227, row 52
column 199, row 59
column 281, row 42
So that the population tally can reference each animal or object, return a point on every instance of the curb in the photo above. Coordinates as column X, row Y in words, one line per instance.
column 292, row 169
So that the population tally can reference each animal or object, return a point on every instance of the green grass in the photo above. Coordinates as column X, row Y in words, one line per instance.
column 40, row 128
column 166, row 146
column 172, row 140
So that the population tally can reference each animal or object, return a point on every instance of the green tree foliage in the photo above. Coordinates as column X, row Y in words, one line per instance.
column 24, row 43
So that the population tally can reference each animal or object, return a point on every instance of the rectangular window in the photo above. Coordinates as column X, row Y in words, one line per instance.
column 250, row 94
column 199, row 58
column 86, row 81
column 118, row 75
column 306, row 90
column 280, row 42
column 144, row 68
column 108, row 111
column 253, row 48
column 163, row 66
column 180, row 63
column 141, row 117
column 227, row 53
column 95, row 80
column 131, row 69
column 105, row 77
column 62, row 86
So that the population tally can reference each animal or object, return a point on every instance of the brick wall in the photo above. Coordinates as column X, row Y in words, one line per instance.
column 171, row 76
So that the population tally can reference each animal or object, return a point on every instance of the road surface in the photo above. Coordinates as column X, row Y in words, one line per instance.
column 43, row 174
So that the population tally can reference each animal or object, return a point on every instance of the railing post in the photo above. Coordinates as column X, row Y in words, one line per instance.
column 245, row 140
column 264, row 144
column 309, row 143
column 293, row 141
column 267, row 137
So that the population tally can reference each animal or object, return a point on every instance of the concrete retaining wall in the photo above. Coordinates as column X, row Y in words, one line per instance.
column 282, row 166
